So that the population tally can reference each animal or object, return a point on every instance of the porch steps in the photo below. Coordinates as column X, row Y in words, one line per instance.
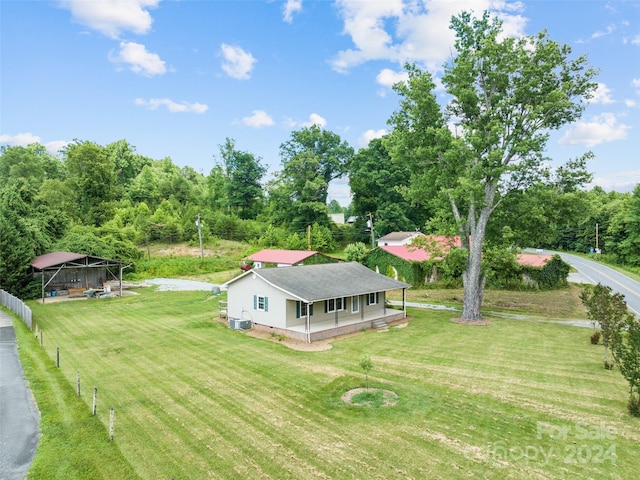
column 379, row 323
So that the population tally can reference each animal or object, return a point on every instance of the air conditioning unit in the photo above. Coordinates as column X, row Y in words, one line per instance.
column 239, row 324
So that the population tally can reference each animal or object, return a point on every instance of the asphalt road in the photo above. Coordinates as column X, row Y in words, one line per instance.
column 19, row 415
column 594, row 273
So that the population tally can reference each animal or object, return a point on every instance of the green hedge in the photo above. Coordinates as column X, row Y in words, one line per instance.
column 552, row 275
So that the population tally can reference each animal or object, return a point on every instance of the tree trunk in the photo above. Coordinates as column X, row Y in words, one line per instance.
column 473, row 278
column 473, row 281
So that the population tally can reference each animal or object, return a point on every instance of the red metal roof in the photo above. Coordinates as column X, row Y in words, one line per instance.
column 533, row 260
column 436, row 243
column 55, row 258
column 408, row 253
column 286, row 257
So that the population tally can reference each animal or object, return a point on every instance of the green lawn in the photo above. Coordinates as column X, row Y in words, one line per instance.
column 194, row 399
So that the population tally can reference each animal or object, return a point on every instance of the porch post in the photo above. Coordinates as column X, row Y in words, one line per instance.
column 308, row 323
column 404, row 303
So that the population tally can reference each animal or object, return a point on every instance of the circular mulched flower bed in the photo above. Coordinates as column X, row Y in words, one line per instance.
column 373, row 397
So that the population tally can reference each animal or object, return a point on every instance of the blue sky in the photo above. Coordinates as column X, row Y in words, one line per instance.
column 175, row 78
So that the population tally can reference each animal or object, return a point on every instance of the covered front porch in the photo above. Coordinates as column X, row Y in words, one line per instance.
column 328, row 328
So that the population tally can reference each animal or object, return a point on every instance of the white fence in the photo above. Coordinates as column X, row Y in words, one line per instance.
column 17, row 306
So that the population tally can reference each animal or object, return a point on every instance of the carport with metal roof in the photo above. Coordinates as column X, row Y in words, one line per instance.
column 67, row 272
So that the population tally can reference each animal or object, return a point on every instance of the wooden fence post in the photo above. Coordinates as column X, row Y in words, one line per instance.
column 78, row 382
column 95, row 399
column 41, row 338
column 111, row 421
column 58, row 357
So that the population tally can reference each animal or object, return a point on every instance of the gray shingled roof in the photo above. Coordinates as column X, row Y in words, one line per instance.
column 398, row 236
column 331, row 280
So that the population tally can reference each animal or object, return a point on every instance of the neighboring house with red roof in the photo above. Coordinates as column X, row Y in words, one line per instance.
column 418, row 265
column 408, row 263
column 287, row 258
column 533, row 259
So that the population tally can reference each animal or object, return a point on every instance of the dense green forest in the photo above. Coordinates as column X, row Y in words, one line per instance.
column 488, row 180
column 109, row 201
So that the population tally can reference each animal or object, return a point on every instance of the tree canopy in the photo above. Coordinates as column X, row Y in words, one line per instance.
column 506, row 95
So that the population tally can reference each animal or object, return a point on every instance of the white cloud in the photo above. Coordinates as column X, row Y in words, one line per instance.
column 602, row 33
column 635, row 83
column 111, row 17
column 173, row 107
column 629, row 102
column 315, row 119
column 369, row 135
column 619, row 182
column 404, row 31
column 259, row 118
column 602, row 95
column 603, row 128
column 237, row 63
column 27, row 138
column 388, row 78
column 140, row 61
column 290, row 7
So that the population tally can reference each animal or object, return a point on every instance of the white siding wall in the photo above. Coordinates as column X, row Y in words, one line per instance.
column 281, row 312
column 240, row 298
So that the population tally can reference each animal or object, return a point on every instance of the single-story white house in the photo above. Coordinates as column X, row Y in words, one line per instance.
column 312, row 302
column 398, row 238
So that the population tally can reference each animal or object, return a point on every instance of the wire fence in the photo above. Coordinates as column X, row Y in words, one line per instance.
column 17, row 306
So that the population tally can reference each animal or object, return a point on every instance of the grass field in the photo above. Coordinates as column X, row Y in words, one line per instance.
column 194, row 399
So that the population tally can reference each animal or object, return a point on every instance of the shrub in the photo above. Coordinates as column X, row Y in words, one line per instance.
column 595, row 338
column 355, row 252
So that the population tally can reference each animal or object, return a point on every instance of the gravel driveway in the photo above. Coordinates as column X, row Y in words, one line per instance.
column 175, row 284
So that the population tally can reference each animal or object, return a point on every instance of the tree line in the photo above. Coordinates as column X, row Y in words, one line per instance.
column 475, row 168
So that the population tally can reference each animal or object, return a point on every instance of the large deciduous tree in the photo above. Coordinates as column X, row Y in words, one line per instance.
column 92, row 177
column 377, row 184
column 310, row 159
column 243, row 185
column 506, row 95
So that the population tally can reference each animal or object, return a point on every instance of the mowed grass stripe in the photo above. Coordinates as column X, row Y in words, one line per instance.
column 149, row 366
column 223, row 405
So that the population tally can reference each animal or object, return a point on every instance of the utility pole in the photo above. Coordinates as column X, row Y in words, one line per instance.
column 370, row 225
column 199, row 225
column 596, row 238
column 308, row 237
